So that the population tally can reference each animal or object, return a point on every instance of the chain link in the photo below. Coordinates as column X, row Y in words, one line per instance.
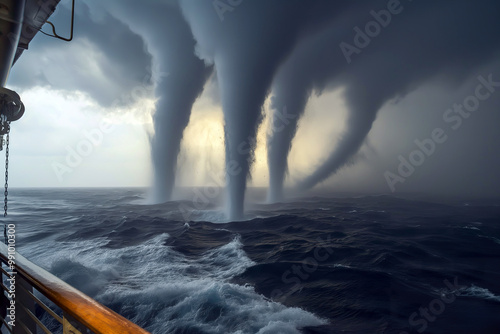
column 6, row 193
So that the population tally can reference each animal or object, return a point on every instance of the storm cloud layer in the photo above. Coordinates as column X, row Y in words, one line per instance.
column 377, row 53
column 180, row 78
column 106, row 59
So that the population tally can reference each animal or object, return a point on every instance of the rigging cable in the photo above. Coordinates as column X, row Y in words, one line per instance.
column 11, row 109
column 55, row 35
column 6, row 192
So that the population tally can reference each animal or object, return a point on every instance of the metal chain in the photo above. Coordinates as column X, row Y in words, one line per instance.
column 6, row 193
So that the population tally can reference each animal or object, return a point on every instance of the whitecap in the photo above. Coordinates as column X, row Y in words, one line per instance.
column 478, row 292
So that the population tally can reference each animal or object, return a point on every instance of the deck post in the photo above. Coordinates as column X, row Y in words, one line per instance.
column 71, row 326
column 22, row 315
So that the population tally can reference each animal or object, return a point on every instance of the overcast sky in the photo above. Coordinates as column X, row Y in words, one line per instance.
column 95, row 96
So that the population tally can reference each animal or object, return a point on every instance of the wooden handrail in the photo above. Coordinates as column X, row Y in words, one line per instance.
column 93, row 315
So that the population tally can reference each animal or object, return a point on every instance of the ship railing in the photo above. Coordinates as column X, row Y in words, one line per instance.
column 22, row 311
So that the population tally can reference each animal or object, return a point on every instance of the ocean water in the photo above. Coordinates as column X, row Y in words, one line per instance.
column 350, row 264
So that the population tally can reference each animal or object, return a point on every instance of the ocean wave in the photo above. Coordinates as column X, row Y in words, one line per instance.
column 167, row 292
column 193, row 272
column 206, row 306
column 478, row 292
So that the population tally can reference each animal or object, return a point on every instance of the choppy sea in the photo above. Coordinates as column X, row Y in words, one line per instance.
column 337, row 264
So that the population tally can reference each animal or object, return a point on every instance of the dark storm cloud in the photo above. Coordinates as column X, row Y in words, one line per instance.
column 375, row 51
column 180, row 77
column 133, row 46
column 106, row 59
column 421, row 42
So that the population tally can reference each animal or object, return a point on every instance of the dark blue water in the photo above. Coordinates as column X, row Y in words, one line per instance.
column 372, row 264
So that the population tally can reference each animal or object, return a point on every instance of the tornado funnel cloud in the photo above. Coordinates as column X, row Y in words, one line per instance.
column 173, row 110
column 246, row 57
column 346, row 148
column 287, row 107
column 173, row 48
